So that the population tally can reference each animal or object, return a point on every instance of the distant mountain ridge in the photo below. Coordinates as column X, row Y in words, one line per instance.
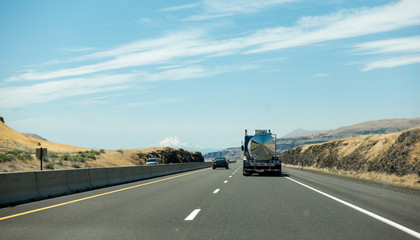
column 229, row 153
column 383, row 126
column 35, row 136
column 299, row 131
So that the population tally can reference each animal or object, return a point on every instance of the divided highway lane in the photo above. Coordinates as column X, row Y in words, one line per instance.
column 264, row 207
column 219, row 204
column 152, row 211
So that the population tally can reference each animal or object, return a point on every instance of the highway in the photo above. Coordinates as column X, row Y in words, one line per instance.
column 223, row 204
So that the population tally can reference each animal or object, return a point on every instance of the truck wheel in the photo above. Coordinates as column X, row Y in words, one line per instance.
column 227, row 167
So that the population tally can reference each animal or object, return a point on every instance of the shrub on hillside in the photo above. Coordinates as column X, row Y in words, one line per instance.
column 19, row 154
column 5, row 158
column 50, row 165
column 80, row 156
column 53, row 155
column 75, row 165
column 26, row 156
column 65, row 157
column 90, row 154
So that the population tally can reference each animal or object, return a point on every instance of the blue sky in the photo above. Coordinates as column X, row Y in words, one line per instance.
column 128, row 74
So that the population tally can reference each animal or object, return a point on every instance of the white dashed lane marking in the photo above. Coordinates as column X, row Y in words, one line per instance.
column 216, row 191
column 192, row 215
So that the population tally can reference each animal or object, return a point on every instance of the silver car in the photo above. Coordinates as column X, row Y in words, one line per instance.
column 152, row 161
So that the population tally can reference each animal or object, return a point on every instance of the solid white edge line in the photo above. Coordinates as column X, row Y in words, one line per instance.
column 371, row 214
column 192, row 215
column 216, row 191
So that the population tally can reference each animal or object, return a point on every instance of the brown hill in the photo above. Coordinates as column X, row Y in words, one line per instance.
column 389, row 157
column 17, row 153
column 10, row 139
column 371, row 127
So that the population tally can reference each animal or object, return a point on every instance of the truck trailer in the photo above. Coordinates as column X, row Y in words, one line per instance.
column 260, row 153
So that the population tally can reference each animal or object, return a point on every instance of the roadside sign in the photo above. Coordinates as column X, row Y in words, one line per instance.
column 41, row 152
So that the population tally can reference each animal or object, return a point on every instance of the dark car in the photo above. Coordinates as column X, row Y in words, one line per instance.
column 220, row 162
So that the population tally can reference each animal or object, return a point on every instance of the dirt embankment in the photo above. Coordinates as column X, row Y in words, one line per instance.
column 395, row 157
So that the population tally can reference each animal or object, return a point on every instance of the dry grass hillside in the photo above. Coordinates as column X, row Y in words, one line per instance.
column 383, row 126
column 17, row 153
column 10, row 139
column 393, row 158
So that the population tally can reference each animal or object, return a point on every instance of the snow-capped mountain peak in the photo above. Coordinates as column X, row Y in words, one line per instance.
column 173, row 142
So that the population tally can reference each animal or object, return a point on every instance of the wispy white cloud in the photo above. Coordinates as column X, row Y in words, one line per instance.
column 141, row 53
column 194, row 44
column 398, row 52
column 192, row 72
column 395, row 45
column 222, row 8
column 12, row 97
column 177, row 74
column 182, row 7
column 393, row 62
column 340, row 25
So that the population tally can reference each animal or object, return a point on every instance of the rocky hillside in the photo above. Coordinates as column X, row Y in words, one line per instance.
column 136, row 157
column 170, row 155
column 371, row 127
column 392, row 154
column 229, row 153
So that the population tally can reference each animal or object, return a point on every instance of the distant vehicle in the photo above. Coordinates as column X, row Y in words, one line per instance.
column 152, row 161
column 260, row 153
column 220, row 162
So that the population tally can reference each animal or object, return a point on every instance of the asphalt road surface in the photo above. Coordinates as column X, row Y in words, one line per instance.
column 223, row 204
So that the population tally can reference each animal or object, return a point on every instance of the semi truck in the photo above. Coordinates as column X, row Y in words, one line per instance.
column 260, row 153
